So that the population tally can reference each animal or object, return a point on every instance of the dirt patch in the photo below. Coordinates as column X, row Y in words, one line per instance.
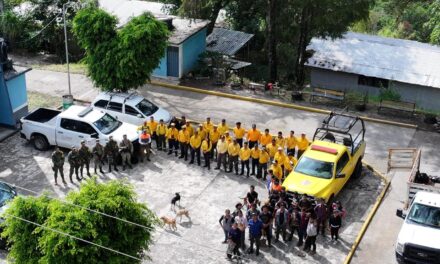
column 36, row 99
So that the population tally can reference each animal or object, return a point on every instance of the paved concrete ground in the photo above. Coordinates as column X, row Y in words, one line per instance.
column 197, row 106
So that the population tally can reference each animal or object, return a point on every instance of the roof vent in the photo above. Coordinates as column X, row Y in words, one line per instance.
column 84, row 112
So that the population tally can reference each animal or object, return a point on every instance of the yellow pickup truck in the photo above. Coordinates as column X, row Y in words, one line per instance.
column 331, row 159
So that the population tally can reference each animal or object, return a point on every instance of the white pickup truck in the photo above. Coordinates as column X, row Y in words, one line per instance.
column 46, row 127
column 419, row 238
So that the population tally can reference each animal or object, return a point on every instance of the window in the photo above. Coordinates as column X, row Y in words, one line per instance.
column 69, row 124
column 425, row 215
column 146, row 107
column 131, row 111
column 107, row 124
column 117, row 107
column 85, row 128
column 373, row 81
column 101, row 104
column 315, row 168
column 342, row 162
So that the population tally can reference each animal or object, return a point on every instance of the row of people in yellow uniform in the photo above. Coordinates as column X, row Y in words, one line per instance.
column 253, row 149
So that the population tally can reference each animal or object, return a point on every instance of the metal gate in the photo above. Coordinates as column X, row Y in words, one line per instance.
column 173, row 61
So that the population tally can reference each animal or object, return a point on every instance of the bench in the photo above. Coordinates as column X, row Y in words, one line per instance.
column 327, row 93
column 257, row 87
column 397, row 105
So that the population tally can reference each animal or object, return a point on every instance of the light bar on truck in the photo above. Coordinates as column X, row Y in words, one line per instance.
column 324, row 149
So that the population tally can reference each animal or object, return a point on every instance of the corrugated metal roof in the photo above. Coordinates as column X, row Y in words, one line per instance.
column 393, row 59
column 226, row 41
column 124, row 10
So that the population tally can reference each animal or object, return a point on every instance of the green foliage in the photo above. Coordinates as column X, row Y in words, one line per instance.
column 120, row 59
column 31, row 244
column 389, row 94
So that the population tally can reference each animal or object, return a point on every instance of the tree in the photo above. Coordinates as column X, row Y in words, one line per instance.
column 120, row 59
column 203, row 9
column 32, row 244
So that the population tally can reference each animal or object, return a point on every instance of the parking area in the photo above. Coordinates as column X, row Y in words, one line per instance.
column 205, row 193
column 208, row 194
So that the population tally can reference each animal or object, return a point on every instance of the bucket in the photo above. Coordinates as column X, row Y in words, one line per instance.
column 67, row 101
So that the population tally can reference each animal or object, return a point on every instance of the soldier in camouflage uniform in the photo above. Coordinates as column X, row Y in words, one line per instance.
column 98, row 156
column 75, row 162
column 58, row 162
column 86, row 155
column 126, row 149
column 111, row 151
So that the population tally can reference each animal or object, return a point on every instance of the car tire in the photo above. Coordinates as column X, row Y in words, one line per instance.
column 358, row 169
column 40, row 142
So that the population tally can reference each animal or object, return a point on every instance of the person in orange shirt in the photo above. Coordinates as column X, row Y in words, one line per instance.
column 302, row 143
column 239, row 133
column 253, row 136
column 281, row 141
column 255, row 155
column 266, row 138
column 291, row 143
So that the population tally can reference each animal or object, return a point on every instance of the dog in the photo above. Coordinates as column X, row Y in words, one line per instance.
column 170, row 222
column 183, row 212
column 175, row 199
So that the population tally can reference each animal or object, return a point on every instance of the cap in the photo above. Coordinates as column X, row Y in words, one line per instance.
column 83, row 141
column 172, row 124
column 183, row 126
column 280, row 148
column 254, row 214
column 215, row 126
column 200, row 125
column 73, row 146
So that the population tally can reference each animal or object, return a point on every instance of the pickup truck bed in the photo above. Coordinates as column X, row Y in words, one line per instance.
column 42, row 115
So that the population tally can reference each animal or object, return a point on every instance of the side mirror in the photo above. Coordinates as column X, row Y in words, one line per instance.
column 399, row 213
column 139, row 116
column 94, row 135
column 340, row 175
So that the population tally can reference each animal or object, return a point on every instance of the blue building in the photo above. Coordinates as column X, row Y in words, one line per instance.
column 187, row 40
column 13, row 95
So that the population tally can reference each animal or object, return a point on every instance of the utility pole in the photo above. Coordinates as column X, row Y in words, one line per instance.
column 65, row 42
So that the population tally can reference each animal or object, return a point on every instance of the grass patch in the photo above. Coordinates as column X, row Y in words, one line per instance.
column 36, row 99
column 78, row 68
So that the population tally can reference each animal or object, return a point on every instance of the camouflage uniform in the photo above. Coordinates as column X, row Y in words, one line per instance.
column 126, row 149
column 75, row 162
column 111, row 151
column 85, row 156
column 98, row 156
column 58, row 163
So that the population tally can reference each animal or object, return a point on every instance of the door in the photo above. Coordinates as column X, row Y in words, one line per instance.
column 173, row 61
column 115, row 110
column 72, row 132
column 133, row 116
column 343, row 168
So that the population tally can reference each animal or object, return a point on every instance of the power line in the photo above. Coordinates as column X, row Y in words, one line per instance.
column 74, row 237
column 39, row 32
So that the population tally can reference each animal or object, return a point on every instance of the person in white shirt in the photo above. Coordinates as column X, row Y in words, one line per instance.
column 312, row 232
column 241, row 220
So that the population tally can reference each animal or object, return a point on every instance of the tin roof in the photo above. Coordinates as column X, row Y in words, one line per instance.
column 124, row 10
column 393, row 59
column 226, row 41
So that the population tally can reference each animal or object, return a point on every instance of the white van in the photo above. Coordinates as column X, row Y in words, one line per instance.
column 131, row 108
column 419, row 238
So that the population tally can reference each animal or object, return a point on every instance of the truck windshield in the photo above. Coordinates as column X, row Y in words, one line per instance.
column 425, row 215
column 147, row 107
column 315, row 168
column 107, row 124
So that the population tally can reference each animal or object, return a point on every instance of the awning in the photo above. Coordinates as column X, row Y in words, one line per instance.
column 227, row 42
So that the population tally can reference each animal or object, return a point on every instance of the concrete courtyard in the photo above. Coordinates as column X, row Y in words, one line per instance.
column 207, row 194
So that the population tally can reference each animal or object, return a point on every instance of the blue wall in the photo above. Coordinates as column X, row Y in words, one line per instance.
column 192, row 48
column 162, row 69
column 17, row 92
column 5, row 107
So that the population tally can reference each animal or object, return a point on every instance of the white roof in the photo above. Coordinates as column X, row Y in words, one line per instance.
column 427, row 198
column 73, row 111
column 124, row 10
column 393, row 59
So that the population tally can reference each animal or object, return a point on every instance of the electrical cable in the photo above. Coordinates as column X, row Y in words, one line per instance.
column 39, row 32
column 71, row 236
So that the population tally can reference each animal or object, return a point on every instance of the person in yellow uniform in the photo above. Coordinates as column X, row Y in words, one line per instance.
column 255, row 155
column 172, row 136
column 223, row 127
column 262, row 163
column 302, row 144
column 280, row 140
column 233, row 152
column 161, row 132
column 152, row 126
column 291, row 143
column 239, row 133
column 202, row 132
column 228, row 138
column 208, row 125
column 206, row 150
column 189, row 128
column 195, row 142
column 222, row 150
column 280, row 156
column 253, row 136
column 214, row 136
column 245, row 154
column 272, row 148
column 183, row 142
column 266, row 138
column 143, row 127
column 289, row 164
column 277, row 170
